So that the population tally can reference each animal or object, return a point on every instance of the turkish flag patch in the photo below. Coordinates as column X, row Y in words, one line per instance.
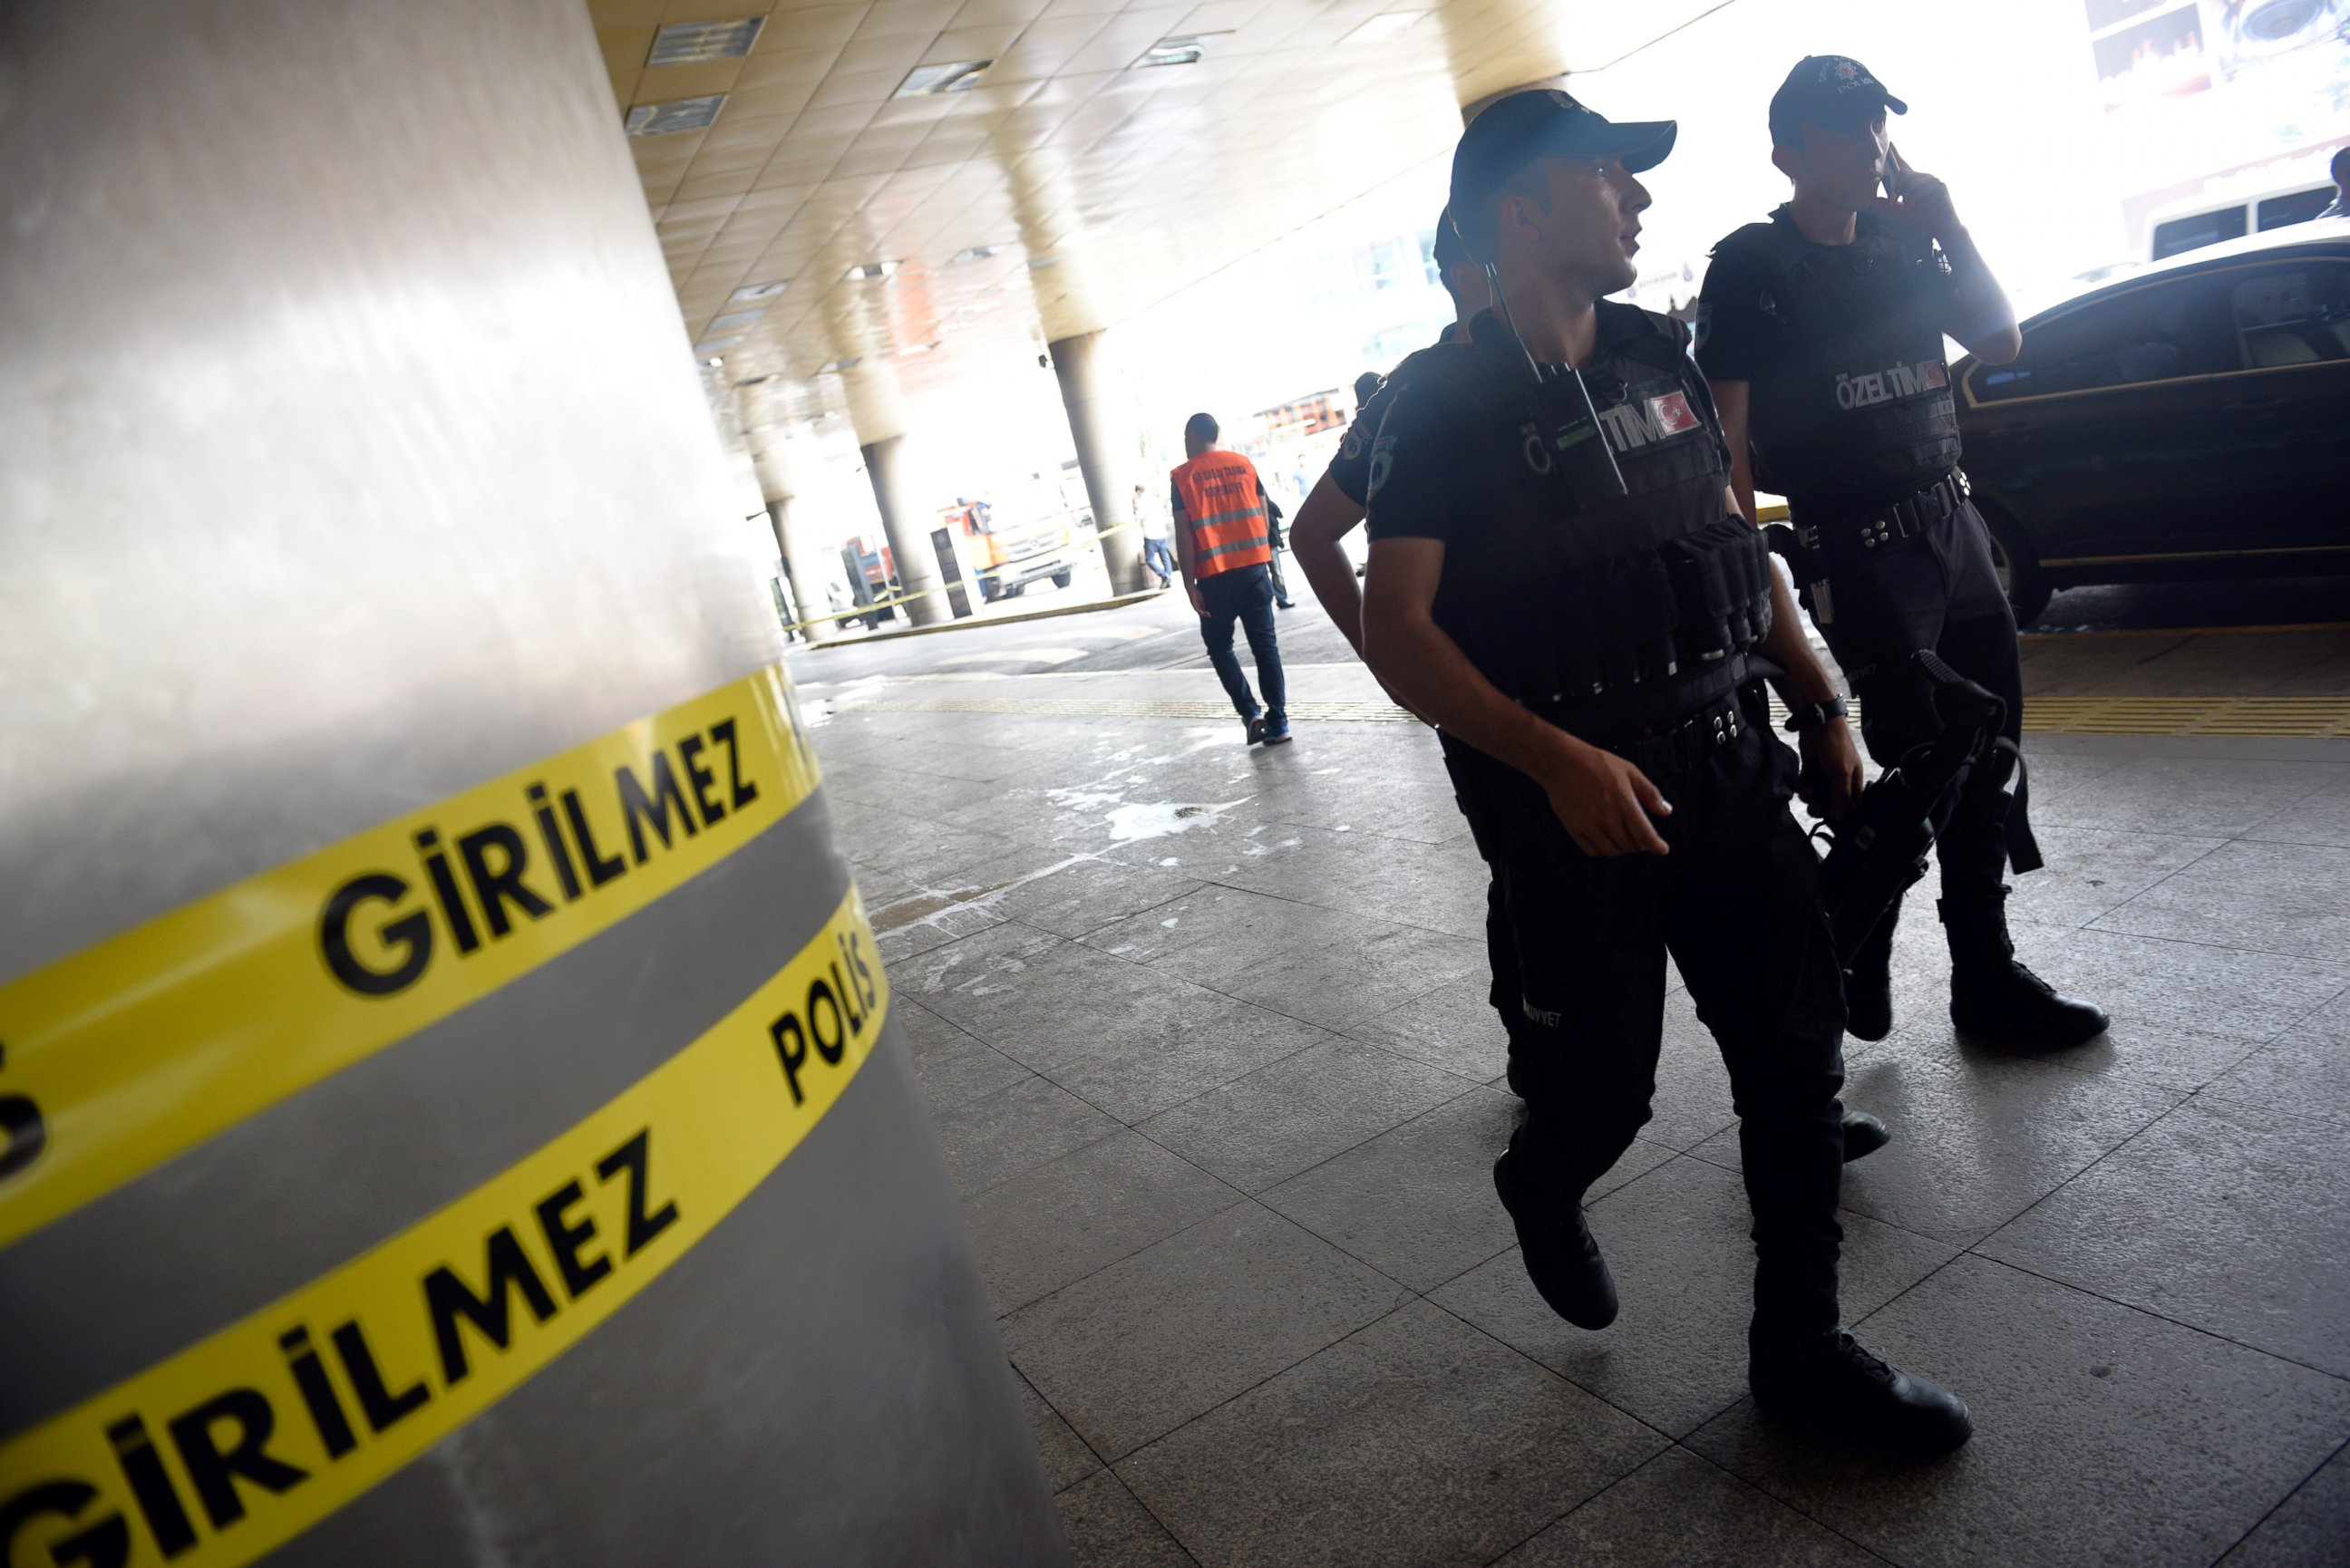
column 1671, row 414
column 1932, row 374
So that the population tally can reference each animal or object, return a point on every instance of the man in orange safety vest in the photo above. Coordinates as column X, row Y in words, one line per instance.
column 1223, row 543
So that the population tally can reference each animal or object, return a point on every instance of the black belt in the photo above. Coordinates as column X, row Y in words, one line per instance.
column 1889, row 525
column 1683, row 746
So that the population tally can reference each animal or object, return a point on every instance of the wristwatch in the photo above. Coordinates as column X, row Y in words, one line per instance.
column 1802, row 717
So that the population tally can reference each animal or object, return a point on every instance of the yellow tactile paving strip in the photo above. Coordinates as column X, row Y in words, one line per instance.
column 2314, row 717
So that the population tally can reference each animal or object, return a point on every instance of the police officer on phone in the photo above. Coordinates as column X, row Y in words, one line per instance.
column 1560, row 580
column 1821, row 332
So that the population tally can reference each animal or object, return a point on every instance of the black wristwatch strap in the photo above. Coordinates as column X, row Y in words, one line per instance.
column 1802, row 717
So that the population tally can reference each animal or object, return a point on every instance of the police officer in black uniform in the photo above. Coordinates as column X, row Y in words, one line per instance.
column 1332, row 511
column 1821, row 332
column 1559, row 578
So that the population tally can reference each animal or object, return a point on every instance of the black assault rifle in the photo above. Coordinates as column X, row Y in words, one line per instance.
column 1879, row 850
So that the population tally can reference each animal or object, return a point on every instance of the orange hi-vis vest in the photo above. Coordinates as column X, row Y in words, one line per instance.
column 1223, row 506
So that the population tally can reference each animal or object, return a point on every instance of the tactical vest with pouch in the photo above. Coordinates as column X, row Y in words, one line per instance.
column 1857, row 412
column 1615, row 616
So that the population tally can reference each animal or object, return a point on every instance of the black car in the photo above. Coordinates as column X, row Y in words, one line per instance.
column 2187, row 419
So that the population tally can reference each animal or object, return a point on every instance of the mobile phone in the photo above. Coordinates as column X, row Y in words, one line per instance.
column 1892, row 174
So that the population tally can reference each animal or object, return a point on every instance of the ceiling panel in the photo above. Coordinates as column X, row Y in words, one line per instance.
column 1124, row 184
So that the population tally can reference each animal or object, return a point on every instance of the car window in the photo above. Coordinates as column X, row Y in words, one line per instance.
column 2293, row 315
column 2194, row 233
column 2278, row 211
column 2156, row 333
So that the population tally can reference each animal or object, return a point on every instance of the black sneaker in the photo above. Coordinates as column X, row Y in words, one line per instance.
column 1255, row 723
column 1831, row 1386
column 1864, row 1135
column 1561, row 1257
column 1276, row 728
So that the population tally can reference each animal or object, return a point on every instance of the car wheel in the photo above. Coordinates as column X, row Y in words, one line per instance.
column 2028, row 589
column 1061, row 578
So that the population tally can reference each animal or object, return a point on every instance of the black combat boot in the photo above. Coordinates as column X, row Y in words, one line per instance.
column 1828, row 1385
column 1864, row 1135
column 1561, row 1257
column 1990, row 993
column 1868, row 984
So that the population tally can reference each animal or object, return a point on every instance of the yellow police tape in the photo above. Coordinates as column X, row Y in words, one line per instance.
column 239, row 1442
column 145, row 1045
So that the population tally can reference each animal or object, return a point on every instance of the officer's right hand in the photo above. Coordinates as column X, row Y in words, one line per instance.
column 1605, row 803
column 1199, row 600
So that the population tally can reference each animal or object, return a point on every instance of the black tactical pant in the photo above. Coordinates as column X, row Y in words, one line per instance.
column 1737, row 906
column 1938, row 590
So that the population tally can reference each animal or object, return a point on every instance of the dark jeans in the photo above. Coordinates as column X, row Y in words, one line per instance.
column 1244, row 595
column 1938, row 591
column 1280, row 585
column 1736, row 905
column 1158, row 558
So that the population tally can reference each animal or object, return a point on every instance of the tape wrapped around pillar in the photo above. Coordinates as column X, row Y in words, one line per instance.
column 450, row 1108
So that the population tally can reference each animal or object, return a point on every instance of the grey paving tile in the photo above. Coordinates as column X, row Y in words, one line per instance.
column 2305, row 1071
column 2216, row 990
column 2199, row 796
column 2092, row 870
column 1109, row 1529
column 1336, row 987
column 1073, row 897
column 1680, row 1512
column 1235, row 926
column 1271, row 1124
column 996, row 1137
column 1439, row 886
column 1677, row 1242
column 1416, row 1203
column 952, row 1066
column 2135, row 1050
column 1129, row 1039
column 2321, row 816
column 1453, row 1027
column 2102, row 1435
column 1063, row 1453
column 2311, row 1528
column 1416, row 1441
column 1692, row 1101
column 1419, row 809
column 1133, row 1351
column 1061, row 1219
column 1977, row 1138
column 2227, row 1217
column 2289, row 899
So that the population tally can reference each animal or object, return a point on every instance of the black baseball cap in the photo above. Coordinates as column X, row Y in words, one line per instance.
column 1544, row 122
column 1833, row 90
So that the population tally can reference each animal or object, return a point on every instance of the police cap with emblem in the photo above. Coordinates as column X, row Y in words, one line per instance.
column 1542, row 124
column 1833, row 90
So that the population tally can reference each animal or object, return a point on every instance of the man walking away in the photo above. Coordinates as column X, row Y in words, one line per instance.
column 1158, row 548
column 1223, row 544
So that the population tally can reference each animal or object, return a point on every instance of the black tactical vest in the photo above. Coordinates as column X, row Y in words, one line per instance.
column 1856, row 411
column 1612, row 616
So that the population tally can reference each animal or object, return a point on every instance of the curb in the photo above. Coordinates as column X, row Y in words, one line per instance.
column 1116, row 602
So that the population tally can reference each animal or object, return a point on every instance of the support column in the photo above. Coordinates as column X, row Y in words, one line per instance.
column 909, row 542
column 806, row 568
column 382, row 700
column 1097, row 460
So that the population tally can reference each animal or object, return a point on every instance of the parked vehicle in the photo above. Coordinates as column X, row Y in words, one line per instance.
column 1008, row 556
column 872, row 578
column 2191, row 225
column 2183, row 419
